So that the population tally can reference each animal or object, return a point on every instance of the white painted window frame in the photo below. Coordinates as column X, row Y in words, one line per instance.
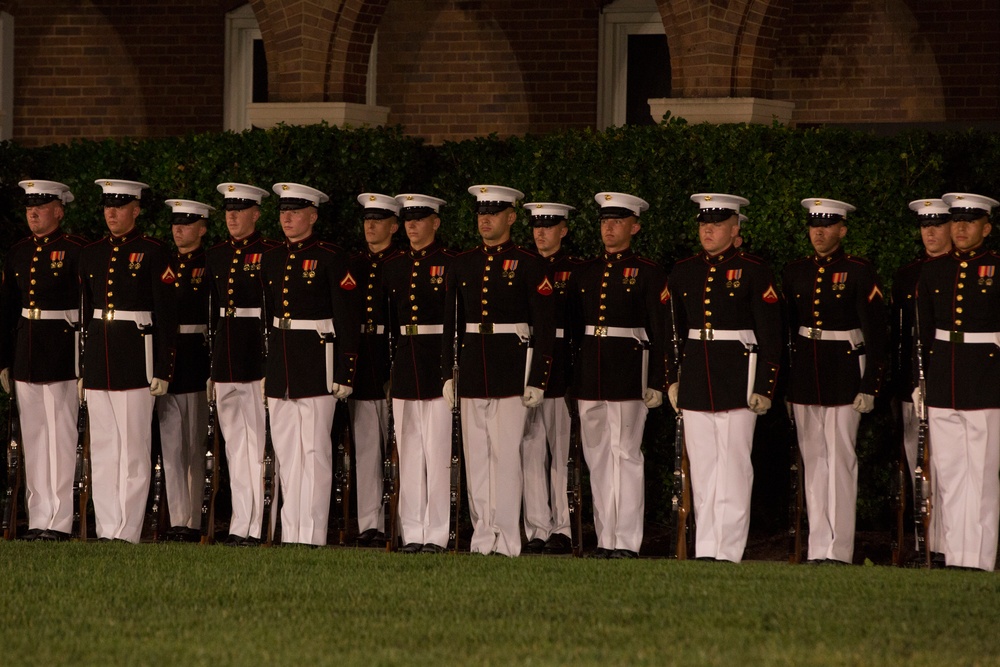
column 617, row 22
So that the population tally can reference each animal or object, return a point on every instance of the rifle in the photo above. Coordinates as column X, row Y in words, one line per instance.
column 157, row 493
column 14, row 474
column 680, row 501
column 574, row 464
column 390, row 460
column 898, row 481
column 211, row 446
column 456, row 444
column 921, row 486
column 266, row 534
column 796, row 485
column 81, row 474
column 342, row 474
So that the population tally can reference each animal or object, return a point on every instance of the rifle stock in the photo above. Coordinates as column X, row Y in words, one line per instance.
column 390, row 459
column 157, row 497
column 211, row 481
column 266, row 534
column 680, row 501
column 342, row 476
column 14, row 474
column 796, row 494
column 921, row 486
column 575, row 469
column 81, row 473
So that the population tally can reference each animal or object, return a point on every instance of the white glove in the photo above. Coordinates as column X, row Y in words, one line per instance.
column 342, row 391
column 210, row 390
column 759, row 404
column 915, row 397
column 653, row 398
column 80, row 391
column 158, row 387
column 448, row 391
column 532, row 397
column 672, row 392
column 5, row 379
column 864, row 403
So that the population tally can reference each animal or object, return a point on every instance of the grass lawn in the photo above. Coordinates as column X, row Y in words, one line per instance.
column 115, row 603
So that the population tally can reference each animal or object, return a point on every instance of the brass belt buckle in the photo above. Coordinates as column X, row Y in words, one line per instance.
column 230, row 312
column 707, row 334
column 486, row 328
column 369, row 328
column 34, row 313
column 956, row 336
column 814, row 333
column 284, row 323
column 601, row 331
column 412, row 329
column 109, row 315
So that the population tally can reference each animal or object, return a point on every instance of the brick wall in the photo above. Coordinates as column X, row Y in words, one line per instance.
column 106, row 69
column 454, row 70
column 876, row 61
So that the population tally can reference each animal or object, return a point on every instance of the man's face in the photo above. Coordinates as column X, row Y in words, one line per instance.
column 549, row 239
column 298, row 223
column 717, row 236
column 617, row 233
column 421, row 232
column 242, row 224
column 187, row 238
column 936, row 238
column 121, row 219
column 495, row 227
column 378, row 233
column 44, row 219
column 826, row 240
column 969, row 234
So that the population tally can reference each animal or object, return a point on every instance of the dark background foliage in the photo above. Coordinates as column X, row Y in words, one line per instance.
column 774, row 167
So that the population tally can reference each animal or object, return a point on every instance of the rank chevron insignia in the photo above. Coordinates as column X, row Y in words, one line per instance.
column 348, row 282
column 770, row 296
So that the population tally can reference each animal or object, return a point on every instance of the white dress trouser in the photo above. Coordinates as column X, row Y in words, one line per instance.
column 544, row 456
column 911, row 429
column 183, row 425
column 965, row 459
column 827, row 437
column 120, row 444
column 612, row 446
column 423, row 436
column 370, row 423
column 718, row 447
column 48, row 433
column 303, row 445
column 491, row 431
column 240, row 409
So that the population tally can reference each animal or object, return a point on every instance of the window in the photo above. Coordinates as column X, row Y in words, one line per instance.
column 634, row 63
column 246, row 69
column 6, row 76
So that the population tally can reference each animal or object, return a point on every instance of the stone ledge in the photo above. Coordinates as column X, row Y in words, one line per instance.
column 719, row 110
column 269, row 114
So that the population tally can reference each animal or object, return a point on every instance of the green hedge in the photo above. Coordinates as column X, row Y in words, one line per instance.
column 774, row 167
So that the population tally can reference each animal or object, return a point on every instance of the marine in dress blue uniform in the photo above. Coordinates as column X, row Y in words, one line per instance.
column 617, row 306
column 311, row 361
column 836, row 318
column 504, row 306
column 728, row 318
column 183, row 411
column 958, row 303
column 934, row 219
column 131, row 316
column 367, row 402
column 415, row 282
column 234, row 269
column 545, row 447
column 40, row 306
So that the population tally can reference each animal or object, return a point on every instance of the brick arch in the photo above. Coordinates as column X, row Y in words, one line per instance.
column 350, row 49
column 721, row 50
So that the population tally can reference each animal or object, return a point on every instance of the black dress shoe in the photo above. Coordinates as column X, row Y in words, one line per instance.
column 233, row 540
column 365, row 537
column 937, row 560
column 53, row 536
column 534, row 546
column 601, row 553
column 558, row 544
column 411, row 548
column 32, row 534
column 432, row 549
column 250, row 542
column 705, row 558
column 620, row 554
